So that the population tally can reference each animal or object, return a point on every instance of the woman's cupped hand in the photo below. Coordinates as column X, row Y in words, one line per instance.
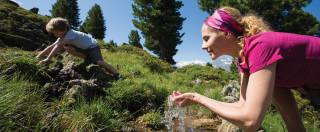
column 184, row 99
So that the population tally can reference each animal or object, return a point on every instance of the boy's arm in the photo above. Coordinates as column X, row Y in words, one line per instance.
column 54, row 51
column 57, row 46
column 45, row 52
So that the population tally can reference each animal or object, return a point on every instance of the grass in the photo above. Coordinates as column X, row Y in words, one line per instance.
column 152, row 119
column 141, row 95
column 22, row 106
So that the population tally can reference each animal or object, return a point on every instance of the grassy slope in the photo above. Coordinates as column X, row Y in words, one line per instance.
column 143, row 91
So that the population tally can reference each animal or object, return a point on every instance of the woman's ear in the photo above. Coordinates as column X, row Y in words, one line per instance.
column 228, row 35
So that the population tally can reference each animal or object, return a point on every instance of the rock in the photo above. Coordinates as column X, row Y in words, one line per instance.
column 230, row 99
column 54, row 71
column 67, row 73
column 11, row 2
column 232, row 89
column 226, row 126
column 53, row 90
column 9, row 71
column 98, row 73
column 71, row 93
column 197, row 81
column 18, row 41
column 82, row 82
column 22, row 28
column 2, row 44
column 205, row 124
column 136, row 73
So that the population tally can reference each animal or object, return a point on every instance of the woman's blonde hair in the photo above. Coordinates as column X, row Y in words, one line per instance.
column 251, row 24
column 57, row 24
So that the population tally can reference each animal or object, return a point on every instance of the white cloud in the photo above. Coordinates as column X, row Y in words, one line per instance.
column 17, row 1
column 226, row 60
column 223, row 62
column 194, row 62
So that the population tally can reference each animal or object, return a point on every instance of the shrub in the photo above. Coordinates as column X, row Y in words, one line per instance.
column 152, row 120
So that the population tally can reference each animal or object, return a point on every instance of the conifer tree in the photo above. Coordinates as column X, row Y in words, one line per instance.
column 160, row 22
column 94, row 23
column 67, row 9
column 283, row 15
column 134, row 39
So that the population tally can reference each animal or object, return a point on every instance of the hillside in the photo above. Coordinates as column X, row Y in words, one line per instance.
column 32, row 100
column 21, row 28
column 147, row 83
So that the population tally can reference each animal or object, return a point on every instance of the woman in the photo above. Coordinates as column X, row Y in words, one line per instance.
column 270, row 63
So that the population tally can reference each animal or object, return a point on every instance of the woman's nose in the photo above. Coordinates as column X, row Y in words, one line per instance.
column 204, row 46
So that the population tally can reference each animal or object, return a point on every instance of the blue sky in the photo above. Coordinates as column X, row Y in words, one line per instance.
column 118, row 16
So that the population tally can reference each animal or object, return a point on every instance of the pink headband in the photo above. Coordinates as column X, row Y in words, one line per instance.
column 221, row 20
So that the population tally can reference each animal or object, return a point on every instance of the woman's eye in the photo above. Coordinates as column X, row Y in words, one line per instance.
column 205, row 38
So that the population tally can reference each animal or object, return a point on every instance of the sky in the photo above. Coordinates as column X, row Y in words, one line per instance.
column 118, row 17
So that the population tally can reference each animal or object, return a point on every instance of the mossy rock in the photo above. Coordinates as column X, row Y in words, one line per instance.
column 22, row 28
column 136, row 97
column 18, row 41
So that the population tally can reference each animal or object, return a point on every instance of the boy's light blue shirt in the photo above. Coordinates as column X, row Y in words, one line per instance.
column 78, row 39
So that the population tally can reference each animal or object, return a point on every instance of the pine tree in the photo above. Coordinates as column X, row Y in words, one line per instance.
column 134, row 39
column 34, row 10
column 160, row 22
column 67, row 9
column 283, row 15
column 94, row 23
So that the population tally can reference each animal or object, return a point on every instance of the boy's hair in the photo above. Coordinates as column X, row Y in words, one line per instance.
column 57, row 23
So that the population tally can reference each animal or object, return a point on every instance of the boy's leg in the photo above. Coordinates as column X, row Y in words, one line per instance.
column 94, row 55
column 46, row 51
column 73, row 51
column 108, row 67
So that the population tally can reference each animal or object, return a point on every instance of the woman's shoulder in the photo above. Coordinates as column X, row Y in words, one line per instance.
column 263, row 36
column 259, row 40
column 272, row 36
column 273, row 39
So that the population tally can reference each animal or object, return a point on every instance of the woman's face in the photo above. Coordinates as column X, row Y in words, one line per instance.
column 214, row 42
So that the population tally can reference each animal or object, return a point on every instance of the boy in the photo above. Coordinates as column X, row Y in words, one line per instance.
column 75, row 43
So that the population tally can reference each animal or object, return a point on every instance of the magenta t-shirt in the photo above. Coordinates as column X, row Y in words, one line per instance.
column 297, row 57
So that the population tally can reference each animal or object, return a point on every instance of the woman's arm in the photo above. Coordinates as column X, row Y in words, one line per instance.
column 257, row 98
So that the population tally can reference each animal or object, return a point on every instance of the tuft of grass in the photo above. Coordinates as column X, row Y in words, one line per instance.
column 152, row 119
column 96, row 115
column 22, row 106
column 273, row 122
column 136, row 96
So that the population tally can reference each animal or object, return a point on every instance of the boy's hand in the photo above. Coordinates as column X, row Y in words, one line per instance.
column 38, row 57
column 44, row 61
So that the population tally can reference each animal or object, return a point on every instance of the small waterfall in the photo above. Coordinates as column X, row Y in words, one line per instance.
column 175, row 118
